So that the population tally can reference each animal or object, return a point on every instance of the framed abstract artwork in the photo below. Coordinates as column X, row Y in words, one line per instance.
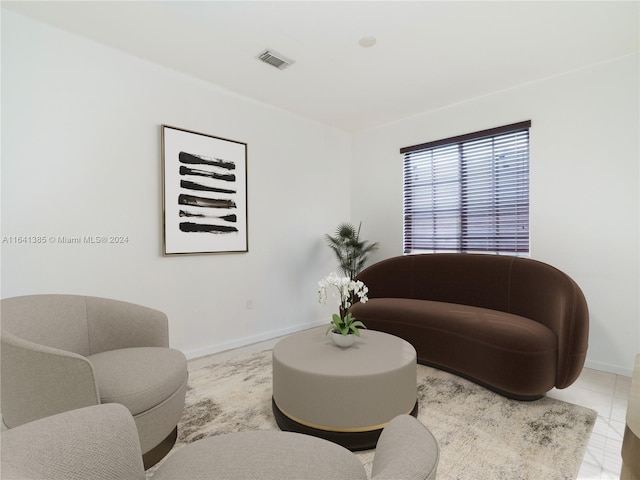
column 204, row 193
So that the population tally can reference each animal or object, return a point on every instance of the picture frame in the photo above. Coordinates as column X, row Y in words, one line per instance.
column 204, row 195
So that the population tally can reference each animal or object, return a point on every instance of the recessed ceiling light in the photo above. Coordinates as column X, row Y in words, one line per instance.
column 367, row 42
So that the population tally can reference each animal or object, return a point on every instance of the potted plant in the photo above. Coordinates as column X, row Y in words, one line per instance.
column 350, row 251
column 344, row 327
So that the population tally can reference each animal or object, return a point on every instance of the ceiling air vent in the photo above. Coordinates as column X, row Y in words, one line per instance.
column 275, row 59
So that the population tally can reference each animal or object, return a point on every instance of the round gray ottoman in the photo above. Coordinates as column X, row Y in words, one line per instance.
column 375, row 378
column 262, row 455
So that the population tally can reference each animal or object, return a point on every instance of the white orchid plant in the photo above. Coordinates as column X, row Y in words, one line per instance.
column 347, row 291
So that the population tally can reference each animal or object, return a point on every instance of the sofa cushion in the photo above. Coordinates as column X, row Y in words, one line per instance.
column 508, row 331
column 510, row 354
column 139, row 378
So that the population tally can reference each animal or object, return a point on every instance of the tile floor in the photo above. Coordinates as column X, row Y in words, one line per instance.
column 603, row 392
column 607, row 394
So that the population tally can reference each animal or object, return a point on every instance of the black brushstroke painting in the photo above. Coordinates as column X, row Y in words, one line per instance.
column 200, row 227
column 228, row 218
column 203, row 188
column 192, row 200
column 191, row 159
column 199, row 201
column 206, row 176
column 227, row 177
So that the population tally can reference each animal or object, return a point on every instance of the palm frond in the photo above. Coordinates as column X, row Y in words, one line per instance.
column 350, row 251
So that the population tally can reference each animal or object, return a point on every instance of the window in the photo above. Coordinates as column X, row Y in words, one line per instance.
column 469, row 193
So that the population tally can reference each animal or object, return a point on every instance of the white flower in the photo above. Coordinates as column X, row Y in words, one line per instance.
column 347, row 291
column 344, row 288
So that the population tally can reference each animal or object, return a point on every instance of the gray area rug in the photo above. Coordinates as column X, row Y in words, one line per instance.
column 482, row 435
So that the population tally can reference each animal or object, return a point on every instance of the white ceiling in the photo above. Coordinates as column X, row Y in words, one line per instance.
column 428, row 53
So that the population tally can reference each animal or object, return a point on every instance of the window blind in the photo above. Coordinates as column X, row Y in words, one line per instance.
column 469, row 193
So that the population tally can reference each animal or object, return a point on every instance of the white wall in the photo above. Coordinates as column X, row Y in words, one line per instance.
column 81, row 156
column 584, row 187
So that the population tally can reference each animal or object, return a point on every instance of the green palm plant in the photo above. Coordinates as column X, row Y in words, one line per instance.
column 351, row 252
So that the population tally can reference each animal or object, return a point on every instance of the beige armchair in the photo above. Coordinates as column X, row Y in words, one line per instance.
column 100, row 443
column 64, row 352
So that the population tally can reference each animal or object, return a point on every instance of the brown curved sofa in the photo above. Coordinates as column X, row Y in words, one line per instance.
column 517, row 326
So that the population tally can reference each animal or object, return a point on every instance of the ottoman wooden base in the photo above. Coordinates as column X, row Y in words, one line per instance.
column 353, row 440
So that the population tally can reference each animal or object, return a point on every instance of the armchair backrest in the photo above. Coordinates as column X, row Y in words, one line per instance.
column 93, row 443
column 58, row 321
column 83, row 325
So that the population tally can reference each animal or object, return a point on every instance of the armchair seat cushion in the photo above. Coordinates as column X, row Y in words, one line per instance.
column 139, row 378
column 262, row 454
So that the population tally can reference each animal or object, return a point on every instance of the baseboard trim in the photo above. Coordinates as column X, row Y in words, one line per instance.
column 605, row 367
column 246, row 341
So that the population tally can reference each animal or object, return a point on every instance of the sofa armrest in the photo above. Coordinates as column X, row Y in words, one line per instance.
column 406, row 450
column 38, row 381
column 549, row 296
column 92, row 443
column 114, row 324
